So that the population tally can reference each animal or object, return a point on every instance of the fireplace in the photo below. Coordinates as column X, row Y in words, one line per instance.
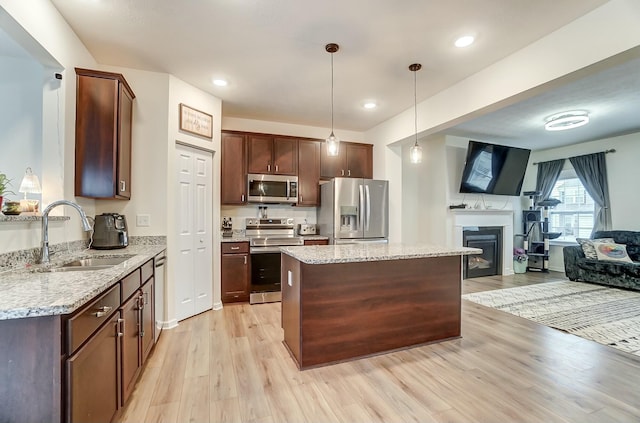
column 489, row 240
column 459, row 219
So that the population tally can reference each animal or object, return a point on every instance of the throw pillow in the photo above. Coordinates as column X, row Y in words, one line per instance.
column 587, row 246
column 610, row 251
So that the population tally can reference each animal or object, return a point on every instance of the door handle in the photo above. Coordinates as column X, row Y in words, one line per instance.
column 361, row 208
column 288, row 189
column 368, row 205
column 121, row 325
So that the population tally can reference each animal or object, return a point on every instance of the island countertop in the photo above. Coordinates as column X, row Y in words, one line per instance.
column 32, row 291
column 353, row 253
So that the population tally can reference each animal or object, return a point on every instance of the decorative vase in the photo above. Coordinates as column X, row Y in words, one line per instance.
column 520, row 266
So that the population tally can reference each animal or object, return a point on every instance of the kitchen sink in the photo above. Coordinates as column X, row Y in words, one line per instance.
column 94, row 263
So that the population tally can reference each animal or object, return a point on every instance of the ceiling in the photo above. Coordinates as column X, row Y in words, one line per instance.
column 273, row 55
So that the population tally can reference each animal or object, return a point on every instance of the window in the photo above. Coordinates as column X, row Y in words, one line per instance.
column 575, row 215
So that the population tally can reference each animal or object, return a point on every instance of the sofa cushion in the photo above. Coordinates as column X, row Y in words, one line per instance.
column 610, row 251
column 630, row 238
column 587, row 246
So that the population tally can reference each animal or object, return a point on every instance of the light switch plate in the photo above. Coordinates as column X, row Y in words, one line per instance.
column 143, row 220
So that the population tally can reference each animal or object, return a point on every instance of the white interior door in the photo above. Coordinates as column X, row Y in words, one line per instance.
column 194, row 273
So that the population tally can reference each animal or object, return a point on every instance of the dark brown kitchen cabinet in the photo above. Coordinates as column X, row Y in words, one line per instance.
column 93, row 376
column 234, row 272
column 104, row 112
column 233, row 188
column 354, row 160
column 273, row 155
column 137, row 330
column 308, row 173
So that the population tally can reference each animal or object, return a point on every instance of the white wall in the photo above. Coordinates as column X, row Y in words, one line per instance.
column 623, row 174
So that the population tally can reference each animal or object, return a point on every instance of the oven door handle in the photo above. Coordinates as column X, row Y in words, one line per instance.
column 264, row 250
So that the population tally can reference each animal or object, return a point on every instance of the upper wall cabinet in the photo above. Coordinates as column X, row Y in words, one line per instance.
column 308, row 173
column 354, row 160
column 104, row 109
column 275, row 155
column 233, row 169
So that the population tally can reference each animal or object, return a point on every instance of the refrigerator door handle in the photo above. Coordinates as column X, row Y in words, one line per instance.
column 361, row 208
column 368, row 205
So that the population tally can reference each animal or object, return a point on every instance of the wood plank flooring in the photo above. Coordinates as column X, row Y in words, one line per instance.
column 231, row 366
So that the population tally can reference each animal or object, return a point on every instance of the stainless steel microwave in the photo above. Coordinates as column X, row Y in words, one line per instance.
column 272, row 188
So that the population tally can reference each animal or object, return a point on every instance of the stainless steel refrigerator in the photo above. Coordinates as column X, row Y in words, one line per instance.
column 354, row 210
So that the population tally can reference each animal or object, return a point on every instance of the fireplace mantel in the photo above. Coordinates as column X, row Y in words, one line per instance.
column 461, row 218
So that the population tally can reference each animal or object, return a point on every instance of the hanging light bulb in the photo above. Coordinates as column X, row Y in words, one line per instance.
column 415, row 154
column 333, row 142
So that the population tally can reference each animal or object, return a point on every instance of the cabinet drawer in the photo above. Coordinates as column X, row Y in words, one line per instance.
column 147, row 271
column 83, row 324
column 130, row 284
column 235, row 247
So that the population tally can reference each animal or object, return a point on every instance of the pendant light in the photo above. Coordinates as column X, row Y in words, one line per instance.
column 415, row 154
column 333, row 142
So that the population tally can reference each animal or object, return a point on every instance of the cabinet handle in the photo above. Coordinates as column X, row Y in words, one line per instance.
column 245, row 260
column 235, row 248
column 123, row 186
column 349, row 172
column 276, row 168
column 121, row 324
column 342, row 170
column 300, row 198
column 103, row 311
column 242, row 198
column 141, row 314
column 269, row 168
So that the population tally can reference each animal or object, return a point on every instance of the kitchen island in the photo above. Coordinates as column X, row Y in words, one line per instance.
column 341, row 302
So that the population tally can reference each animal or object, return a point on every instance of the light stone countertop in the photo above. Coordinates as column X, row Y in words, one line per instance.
column 30, row 291
column 352, row 253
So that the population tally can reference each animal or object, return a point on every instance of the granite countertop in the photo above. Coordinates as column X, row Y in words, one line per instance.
column 32, row 291
column 351, row 253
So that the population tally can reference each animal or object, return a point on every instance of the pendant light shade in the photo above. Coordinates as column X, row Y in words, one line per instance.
column 415, row 154
column 333, row 142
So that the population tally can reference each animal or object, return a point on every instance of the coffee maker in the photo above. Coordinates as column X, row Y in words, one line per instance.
column 110, row 232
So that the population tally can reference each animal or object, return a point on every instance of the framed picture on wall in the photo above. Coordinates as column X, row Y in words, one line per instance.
column 195, row 121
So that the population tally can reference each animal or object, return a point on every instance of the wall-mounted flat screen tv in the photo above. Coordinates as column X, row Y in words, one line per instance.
column 494, row 169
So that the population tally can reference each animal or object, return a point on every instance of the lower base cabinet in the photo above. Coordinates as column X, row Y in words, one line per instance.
column 92, row 377
column 235, row 272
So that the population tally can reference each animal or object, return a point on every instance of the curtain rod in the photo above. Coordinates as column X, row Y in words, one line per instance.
column 612, row 150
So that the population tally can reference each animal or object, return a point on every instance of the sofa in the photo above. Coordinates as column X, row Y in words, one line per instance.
column 614, row 273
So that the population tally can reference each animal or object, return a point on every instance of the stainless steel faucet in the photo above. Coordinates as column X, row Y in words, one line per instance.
column 44, row 254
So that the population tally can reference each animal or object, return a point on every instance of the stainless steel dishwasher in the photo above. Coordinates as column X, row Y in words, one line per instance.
column 159, row 290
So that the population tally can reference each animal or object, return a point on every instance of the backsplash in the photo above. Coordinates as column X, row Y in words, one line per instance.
column 15, row 259
column 239, row 214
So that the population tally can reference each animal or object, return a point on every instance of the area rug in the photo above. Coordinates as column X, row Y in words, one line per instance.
column 606, row 315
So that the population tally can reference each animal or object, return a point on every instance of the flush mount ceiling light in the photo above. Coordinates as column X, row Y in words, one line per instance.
column 464, row 41
column 415, row 154
column 566, row 120
column 370, row 105
column 220, row 82
column 333, row 142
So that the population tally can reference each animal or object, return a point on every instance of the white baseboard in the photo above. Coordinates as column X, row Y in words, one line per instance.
column 217, row 306
column 170, row 324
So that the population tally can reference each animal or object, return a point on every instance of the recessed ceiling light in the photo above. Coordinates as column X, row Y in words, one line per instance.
column 220, row 82
column 370, row 105
column 465, row 41
column 566, row 120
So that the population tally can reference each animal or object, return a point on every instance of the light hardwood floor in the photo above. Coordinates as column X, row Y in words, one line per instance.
column 231, row 366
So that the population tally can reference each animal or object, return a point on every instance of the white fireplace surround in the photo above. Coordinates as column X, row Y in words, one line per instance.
column 464, row 218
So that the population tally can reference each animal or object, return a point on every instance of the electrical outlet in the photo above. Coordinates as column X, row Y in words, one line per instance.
column 143, row 220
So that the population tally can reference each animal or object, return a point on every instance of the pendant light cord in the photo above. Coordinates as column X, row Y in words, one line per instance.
column 415, row 105
column 331, row 93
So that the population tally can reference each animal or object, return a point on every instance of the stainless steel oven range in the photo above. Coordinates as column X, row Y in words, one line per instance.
column 266, row 236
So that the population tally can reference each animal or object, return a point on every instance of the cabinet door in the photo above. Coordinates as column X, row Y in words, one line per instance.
column 235, row 277
column 233, row 172
column 285, row 156
column 332, row 166
column 309, row 173
column 125, row 115
column 93, row 376
column 359, row 159
column 259, row 155
column 130, row 345
column 147, row 324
